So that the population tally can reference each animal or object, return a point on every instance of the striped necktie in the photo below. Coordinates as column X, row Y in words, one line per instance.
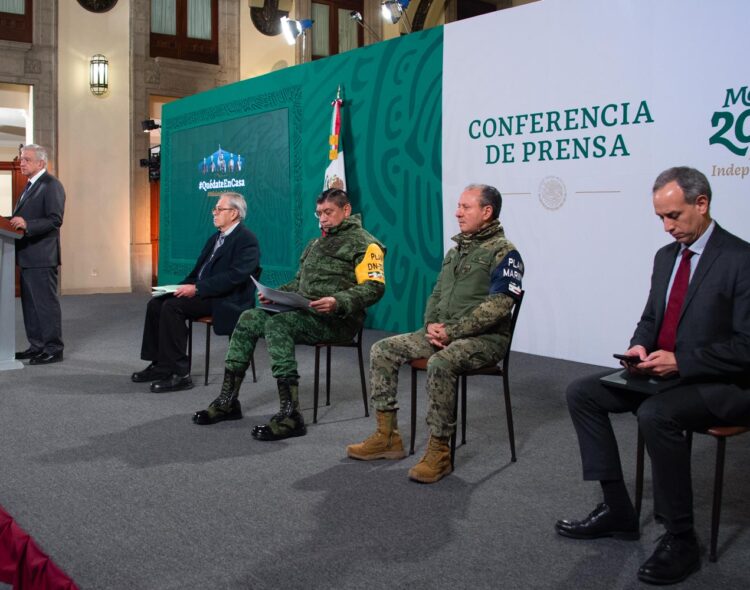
column 217, row 245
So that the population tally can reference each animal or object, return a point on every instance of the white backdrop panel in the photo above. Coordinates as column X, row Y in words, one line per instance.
column 588, row 256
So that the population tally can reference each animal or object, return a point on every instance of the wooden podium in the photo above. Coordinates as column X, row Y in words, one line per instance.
column 8, row 237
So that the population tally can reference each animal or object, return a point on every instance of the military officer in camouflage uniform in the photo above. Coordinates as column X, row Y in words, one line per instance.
column 466, row 326
column 342, row 272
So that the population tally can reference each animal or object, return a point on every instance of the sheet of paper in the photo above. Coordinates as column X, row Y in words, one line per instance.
column 283, row 297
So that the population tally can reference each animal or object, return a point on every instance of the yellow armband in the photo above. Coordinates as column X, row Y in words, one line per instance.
column 371, row 267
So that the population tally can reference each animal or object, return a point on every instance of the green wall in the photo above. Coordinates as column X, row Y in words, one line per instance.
column 392, row 119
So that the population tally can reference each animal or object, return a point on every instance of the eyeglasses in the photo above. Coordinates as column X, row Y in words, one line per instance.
column 217, row 209
column 326, row 212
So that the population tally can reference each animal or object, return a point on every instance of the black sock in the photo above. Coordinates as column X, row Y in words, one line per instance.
column 617, row 498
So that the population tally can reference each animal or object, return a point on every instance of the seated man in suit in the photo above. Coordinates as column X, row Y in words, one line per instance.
column 219, row 285
column 695, row 327
column 466, row 326
column 342, row 273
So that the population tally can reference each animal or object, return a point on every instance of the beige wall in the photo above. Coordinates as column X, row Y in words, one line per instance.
column 260, row 54
column 93, row 150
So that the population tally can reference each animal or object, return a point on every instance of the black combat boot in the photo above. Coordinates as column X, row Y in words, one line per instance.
column 226, row 406
column 288, row 421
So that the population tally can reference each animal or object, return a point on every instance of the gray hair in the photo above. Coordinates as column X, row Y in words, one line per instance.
column 488, row 196
column 236, row 202
column 41, row 152
column 692, row 182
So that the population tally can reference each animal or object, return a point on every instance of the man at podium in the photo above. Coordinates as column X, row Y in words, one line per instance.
column 39, row 215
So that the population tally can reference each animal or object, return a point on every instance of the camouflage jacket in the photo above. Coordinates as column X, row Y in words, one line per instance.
column 346, row 264
column 477, row 286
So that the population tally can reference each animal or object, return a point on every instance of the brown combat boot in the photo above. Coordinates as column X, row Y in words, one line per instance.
column 436, row 463
column 385, row 443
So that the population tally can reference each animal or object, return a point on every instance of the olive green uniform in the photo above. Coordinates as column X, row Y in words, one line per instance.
column 346, row 264
column 474, row 296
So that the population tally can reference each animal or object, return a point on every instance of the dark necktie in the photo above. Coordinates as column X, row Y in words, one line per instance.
column 217, row 245
column 668, row 330
column 23, row 194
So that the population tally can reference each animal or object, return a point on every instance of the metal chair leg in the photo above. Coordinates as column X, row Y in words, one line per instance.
column 455, row 431
column 316, row 385
column 509, row 415
column 413, row 409
column 208, row 353
column 328, row 375
column 362, row 379
column 190, row 346
column 721, row 444
column 463, row 408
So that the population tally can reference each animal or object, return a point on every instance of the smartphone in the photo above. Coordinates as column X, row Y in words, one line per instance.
column 631, row 360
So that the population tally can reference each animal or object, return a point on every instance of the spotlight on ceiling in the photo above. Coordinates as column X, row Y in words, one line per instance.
column 392, row 10
column 294, row 28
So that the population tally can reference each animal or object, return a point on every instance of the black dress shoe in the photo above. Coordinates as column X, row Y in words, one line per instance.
column 29, row 353
column 150, row 373
column 172, row 383
column 45, row 358
column 600, row 523
column 215, row 414
column 675, row 558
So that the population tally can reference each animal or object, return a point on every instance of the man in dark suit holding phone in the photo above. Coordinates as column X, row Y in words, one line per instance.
column 39, row 214
column 695, row 328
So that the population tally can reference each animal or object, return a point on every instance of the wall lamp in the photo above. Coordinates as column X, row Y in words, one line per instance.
column 392, row 10
column 357, row 16
column 150, row 125
column 98, row 74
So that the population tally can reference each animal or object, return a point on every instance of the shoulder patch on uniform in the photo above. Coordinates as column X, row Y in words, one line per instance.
column 507, row 276
column 371, row 268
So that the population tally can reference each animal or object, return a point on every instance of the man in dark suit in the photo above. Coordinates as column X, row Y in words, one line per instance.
column 219, row 285
column 39, row 214
column 695, row 329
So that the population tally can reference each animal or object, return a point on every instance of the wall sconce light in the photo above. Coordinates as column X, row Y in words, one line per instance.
column 392, row 10
column 98, row 74
column 357, row 16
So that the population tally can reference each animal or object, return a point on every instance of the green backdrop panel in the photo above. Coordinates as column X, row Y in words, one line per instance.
column 391, row 121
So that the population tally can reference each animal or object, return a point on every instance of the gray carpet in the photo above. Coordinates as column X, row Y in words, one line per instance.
column 123, row 491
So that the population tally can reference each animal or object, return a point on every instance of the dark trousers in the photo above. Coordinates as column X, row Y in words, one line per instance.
column 662, row 418
column 165, row 331
column 41, row 309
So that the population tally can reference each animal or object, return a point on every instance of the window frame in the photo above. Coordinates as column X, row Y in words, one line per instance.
column 18, row 27
column 180, row 46
column 333, row 30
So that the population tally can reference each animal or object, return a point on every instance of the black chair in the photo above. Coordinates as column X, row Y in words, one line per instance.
column 721, row 434
column 500, row 370
column 209, row 321
column 355, row 343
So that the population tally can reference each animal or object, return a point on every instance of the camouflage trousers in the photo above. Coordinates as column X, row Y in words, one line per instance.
column 443, row 367
column 282, row 331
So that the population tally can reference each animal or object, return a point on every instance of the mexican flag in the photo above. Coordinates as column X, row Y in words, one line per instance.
column 335, row 172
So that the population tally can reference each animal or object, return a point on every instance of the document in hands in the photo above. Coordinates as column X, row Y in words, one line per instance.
column 163, row 290
column 282, row 300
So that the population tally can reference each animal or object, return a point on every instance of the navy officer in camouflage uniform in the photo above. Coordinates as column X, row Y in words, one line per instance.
column 342, row 272
column 466, row 326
